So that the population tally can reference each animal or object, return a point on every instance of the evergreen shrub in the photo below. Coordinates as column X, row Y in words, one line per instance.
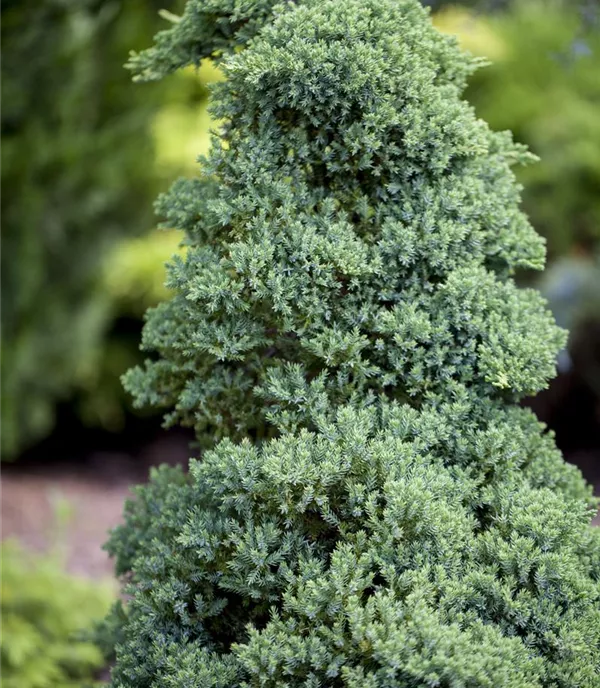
column 373, row 507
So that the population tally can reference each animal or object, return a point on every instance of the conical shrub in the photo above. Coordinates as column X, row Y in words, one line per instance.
column 346, row 309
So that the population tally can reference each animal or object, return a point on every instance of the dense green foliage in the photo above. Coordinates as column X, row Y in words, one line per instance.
column 348, row 217
column 346, row 308
column 45, row 613
column 77, row 175
column 377, row 552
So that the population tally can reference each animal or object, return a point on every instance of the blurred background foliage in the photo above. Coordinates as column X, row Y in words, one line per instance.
column 131, row 274
column 48, row 617
column 85, row 152
column 51, row 621
column 77, row 175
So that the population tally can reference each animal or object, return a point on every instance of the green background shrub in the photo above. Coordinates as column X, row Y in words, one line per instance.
column 77, row 174
column 84, row 155
column 132, row 274
column 46, row 615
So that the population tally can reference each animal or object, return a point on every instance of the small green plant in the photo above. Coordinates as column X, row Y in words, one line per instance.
column 46, row 614
column 379, row 511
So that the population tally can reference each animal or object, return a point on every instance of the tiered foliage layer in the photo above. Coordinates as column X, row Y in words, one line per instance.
column 346, row 308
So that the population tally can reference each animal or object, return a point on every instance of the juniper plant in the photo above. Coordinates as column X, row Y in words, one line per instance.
column 379, row 511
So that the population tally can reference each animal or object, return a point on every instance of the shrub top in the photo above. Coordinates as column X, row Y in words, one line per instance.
column 351, row 234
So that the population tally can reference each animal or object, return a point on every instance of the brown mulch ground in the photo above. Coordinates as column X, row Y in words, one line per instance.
column 94, row 491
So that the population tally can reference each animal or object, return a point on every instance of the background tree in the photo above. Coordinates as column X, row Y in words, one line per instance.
column 77, row 176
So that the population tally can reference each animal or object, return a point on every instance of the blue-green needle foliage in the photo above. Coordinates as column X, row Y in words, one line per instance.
column 346, row 308
column 352, row 232
column 386, row 549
